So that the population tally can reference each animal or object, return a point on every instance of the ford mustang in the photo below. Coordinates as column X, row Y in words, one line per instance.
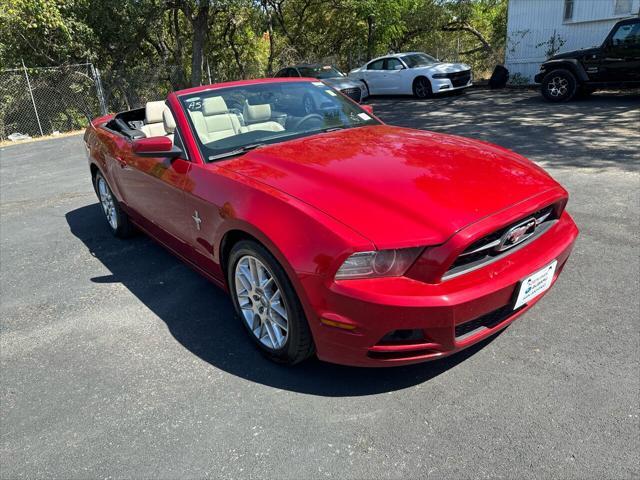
column 334, row 234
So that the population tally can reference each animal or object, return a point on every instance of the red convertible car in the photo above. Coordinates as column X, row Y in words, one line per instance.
column 334, row 233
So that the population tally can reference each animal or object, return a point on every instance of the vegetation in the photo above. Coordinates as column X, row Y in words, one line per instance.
column 178, row 43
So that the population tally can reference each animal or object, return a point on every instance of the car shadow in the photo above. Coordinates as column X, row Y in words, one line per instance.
column 200, row 316
column 558, row 134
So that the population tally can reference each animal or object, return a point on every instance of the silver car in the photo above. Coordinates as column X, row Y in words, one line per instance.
column 330, row 75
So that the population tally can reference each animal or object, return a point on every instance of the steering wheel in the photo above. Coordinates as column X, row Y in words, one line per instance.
column 308, row 119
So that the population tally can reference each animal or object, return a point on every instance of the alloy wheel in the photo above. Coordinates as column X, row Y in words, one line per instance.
column 261, row 302
column 421, row 88
column 108, row 205
column 308, row 104
column 558, row 87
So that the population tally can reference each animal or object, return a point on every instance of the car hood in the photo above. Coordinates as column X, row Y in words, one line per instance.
column 396, row 186
column 576, row 53
column 341, row 83
column 444, row 67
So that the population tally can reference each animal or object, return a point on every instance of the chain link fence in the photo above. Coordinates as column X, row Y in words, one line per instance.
column 43, row 101
column 39, row 101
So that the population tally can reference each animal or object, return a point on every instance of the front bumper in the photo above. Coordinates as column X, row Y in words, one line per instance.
column 538, row 78
column 440, row 85
column 373, row 308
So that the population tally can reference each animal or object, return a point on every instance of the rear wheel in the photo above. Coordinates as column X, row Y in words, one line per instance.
column 422, row 88
column 559, row 85
column 117, row 219
column 267, row 304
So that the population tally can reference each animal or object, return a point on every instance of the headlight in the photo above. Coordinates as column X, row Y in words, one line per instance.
column 379, row 263
column 439, row 75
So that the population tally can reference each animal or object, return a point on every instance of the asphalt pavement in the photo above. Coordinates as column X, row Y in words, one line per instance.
column 118, row 361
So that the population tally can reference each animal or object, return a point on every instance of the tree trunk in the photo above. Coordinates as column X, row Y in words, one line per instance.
column 458, row 26
column 271, row 41
column 200, row 26
column 370, row 36
column 179, row 77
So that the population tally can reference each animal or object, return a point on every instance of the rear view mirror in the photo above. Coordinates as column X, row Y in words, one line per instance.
column 367, row 108
column 156, row 147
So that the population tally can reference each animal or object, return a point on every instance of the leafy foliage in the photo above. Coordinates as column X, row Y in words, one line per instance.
column 146, row 46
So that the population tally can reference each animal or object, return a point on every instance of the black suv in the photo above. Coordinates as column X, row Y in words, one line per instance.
column 615, row 64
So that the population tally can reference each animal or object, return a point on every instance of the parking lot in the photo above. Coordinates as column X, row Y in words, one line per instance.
column 119, row 361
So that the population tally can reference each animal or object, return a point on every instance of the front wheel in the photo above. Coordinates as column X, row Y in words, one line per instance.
column 559, row 86
column 365, row 90
column 422, row 88
column 267, row 305
column 308, row 104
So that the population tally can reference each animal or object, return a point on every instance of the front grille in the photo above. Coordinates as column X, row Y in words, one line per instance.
column 353, row 93
column 490, row 320
column 459, row 79
column 487, row 249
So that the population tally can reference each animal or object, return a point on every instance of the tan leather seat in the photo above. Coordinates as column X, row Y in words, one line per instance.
column 258, row 117
column 215, row 122
column 169, row 123
column 153, row 125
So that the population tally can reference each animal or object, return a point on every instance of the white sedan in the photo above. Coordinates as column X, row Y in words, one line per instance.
column 412, row 73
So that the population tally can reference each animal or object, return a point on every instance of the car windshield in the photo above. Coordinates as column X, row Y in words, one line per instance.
column 414, row 60
column 230, row 121
column 320, row 72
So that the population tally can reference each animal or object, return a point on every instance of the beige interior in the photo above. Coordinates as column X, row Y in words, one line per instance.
column 258, row 117
column 215, row 122
column 169, row 123
column 153, row 122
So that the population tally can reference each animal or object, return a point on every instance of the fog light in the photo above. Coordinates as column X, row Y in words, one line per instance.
column 403, row 336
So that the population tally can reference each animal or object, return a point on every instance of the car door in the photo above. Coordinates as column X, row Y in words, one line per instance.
column 392, row 80
column 153, row 190
column 621, row 59
column 374, row 76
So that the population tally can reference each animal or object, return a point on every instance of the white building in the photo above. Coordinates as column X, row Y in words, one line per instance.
column 538, row 28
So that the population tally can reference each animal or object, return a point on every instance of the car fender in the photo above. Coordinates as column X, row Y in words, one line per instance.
column 305, row 241
column 570, row 64
column 300, row 236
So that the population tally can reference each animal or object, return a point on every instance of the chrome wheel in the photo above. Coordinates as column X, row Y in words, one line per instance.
column 558, row 86
column 261, row 302
column 108, row 205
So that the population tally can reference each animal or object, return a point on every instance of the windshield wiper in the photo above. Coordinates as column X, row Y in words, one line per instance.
column 237, row 151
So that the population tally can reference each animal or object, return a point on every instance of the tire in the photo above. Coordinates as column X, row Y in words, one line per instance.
column 256, row 308
column 308, row 104
column 422, row 88
column 365, row 91
column 117, row 219
column 559, row 86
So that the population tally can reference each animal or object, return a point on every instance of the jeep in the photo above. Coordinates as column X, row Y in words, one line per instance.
column 615, row 64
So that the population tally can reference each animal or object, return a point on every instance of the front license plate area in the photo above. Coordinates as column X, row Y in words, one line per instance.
column 535, row 285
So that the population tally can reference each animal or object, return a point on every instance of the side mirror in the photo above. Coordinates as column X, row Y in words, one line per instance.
column 367, row 108
column 156, row 147
column 398, row 67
